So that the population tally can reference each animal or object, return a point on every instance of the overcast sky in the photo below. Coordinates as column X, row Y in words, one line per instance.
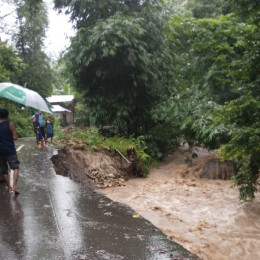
column 59, row 31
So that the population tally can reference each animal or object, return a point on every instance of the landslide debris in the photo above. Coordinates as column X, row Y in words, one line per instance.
column 92, row 167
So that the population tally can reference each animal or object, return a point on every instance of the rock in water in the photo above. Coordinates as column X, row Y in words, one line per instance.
column 214, row 168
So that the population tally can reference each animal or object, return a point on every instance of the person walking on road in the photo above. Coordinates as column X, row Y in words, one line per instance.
column 49, row 128
column 41, row 122
column 37, row 131
column 7, row 149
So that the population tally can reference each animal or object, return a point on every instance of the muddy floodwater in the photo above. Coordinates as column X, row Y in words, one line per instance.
column 205, row 216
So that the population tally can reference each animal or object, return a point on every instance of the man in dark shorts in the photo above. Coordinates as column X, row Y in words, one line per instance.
column 8, row 154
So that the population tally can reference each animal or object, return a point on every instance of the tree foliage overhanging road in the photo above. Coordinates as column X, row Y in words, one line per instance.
column 161, row 69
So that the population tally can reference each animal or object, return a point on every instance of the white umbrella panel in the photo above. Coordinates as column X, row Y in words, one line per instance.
column 23, row 96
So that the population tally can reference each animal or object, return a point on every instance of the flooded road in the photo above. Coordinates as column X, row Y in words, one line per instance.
column 205, row 216
column 56, row 218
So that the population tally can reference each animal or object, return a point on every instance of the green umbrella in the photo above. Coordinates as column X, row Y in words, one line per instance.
column 23, row 96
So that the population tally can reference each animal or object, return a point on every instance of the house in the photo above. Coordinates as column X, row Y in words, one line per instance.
column 63, row 106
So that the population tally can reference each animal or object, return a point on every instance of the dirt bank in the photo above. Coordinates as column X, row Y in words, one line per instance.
column 203, row 215
column 94, row 169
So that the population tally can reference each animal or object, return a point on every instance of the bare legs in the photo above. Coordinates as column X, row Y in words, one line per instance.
column 6, row 177
column 51, row 140
column 16, row 175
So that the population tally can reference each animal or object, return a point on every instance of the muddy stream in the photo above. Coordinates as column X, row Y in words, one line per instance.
column 205, row 216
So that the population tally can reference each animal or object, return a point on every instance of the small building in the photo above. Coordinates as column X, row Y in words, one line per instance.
column 63, row 108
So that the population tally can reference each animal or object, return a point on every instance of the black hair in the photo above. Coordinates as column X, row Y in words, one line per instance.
column 4, row 113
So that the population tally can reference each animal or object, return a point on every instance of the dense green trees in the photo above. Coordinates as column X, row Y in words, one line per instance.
column 189, row 73
column 11, row 65
column 28, row 35
column 87, row 13
column 119, row 61
column 27, row 64
column 219, row 63
column 242, row 115
column 29, row 39
column 209, row 9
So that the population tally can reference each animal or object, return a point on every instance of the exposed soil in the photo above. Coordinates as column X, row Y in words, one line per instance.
column 189, row 200
column 94, row 169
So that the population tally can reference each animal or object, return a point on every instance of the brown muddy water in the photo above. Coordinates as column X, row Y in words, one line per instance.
column 205, row 216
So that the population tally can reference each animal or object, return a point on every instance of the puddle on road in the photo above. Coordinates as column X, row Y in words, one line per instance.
column 205, row 216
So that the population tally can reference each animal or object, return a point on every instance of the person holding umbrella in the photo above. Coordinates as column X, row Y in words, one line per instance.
column 7, row 149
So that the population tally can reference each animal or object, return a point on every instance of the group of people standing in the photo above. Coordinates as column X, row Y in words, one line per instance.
column 39, row 126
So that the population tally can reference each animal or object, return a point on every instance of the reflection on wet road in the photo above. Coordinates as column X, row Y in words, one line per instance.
column 55, row 218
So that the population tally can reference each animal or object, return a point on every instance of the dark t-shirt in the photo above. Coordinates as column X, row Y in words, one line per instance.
column 49, row 129
column 36, row 126
column 7, row 146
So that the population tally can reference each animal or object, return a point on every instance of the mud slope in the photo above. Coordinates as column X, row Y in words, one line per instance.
column 94, row 169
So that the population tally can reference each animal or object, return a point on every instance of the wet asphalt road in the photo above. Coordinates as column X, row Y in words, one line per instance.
column 56, row 218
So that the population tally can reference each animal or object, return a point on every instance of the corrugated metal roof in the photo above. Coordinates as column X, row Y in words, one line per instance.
column 60, row 98
column 58, row 108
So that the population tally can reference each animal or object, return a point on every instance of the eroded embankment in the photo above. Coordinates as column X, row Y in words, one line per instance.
column 94, row 169
column 204, row 215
